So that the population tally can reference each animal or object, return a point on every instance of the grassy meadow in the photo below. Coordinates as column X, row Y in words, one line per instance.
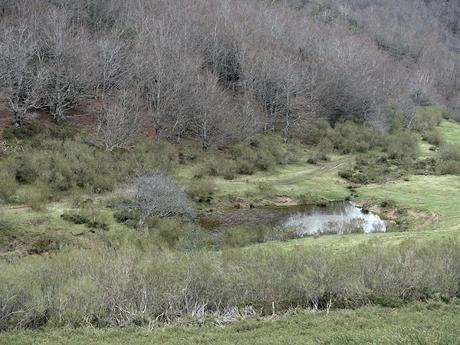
column 36, row 239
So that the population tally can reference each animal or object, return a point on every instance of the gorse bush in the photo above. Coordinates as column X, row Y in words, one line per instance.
column 260, row 153
column 449, row 159
column 90, row 216
column 427, row 118
column 135, row 286
column 349, row 137
column 434, row 137
column 64, row 165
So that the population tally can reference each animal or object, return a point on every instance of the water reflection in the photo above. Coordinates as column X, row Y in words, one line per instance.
column 335, row 218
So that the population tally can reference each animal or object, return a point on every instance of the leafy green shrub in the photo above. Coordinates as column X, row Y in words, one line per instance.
column 280, row 233
column 317, row 157
column 179, row 235
column 449, row 167
column 8, row 186
column 27, row 169
column 37, row 196
column 449, row 159
column 349, row 137
column 201, row 189
column 316, row 132
column 263, row 151
column 89, row 216
column 307, row 199
column 77, row 287
column 245, row 167
column 426, row 118
column 401, row 145
column 434, row 137
column 216, row 166
column 7, row 230
column 127, row 216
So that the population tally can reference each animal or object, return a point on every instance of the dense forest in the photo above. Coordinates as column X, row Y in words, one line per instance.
column 220, row 71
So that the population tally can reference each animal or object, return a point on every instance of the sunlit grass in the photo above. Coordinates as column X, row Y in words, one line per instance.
column 451, row 132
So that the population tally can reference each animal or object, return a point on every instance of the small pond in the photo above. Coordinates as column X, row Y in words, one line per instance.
column 340, row 217
column 335, row 218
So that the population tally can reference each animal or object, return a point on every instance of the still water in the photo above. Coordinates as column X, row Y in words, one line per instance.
column 335, row 218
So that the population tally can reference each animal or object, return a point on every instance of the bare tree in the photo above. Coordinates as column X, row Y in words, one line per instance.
column 119, row 122
column 66, row 72
column 110, row 63
column 158, row 195
column 212, row 112
column 22, row 71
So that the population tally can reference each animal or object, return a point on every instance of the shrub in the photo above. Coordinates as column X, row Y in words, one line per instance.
column 8, row 186
column 317, row 157
column 434, row 137
column 316, row 132
column 201, row 189
column 245, row 167
column 180, row 235
column 262, row 151
column 449, row 167
column 426, row 118
column 216, row 166
column 349, row 137
column 90, row 216
column 402, row 146
column 37, row 196
column 449, row 159
column 79, row 287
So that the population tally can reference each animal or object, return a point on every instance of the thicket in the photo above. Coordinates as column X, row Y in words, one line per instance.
column 137, row 285
column 56, row 161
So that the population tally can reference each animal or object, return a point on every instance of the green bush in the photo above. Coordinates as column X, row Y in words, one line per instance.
column 37, row 196
column 263, row 152
column 401, row 146
column 201, row 189
column 316, row 132
column 434, row 137
column 90, row 216
column 317, row 157
column 8, row 185
column 427, row 118
column 216, row 166
column 449, row 159
column 349, row 137
column 78, row 287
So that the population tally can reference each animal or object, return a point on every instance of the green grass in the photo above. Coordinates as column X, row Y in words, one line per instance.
column 420, row 324
column 293, row 180
column 451, row 132
column 439, row 194
column 45, row 230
